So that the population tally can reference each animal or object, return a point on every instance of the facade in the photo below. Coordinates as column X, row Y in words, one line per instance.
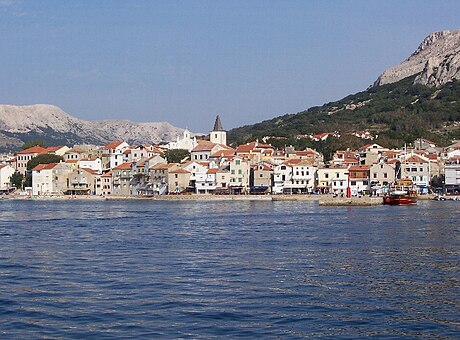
column 239, row 173
column 359, row 181
column 381, row 175
column 82, row 182
column 262, row 176
column 121, row 179
column 178, row 180
column 452, row 173
column 104, row 184
column 6, row 172
column 50, row 179
column 185, row 143
column 91, row 163
column 417, row 168
column 24, row 156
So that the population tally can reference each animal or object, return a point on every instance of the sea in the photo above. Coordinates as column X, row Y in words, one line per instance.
column 228, row 269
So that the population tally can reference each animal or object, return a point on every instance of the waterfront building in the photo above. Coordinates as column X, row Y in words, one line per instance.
column 50, row 179
column 359, row 182
column 178, row 180
column 239, row 174
column 381, row 176
column 332, row 179
column 104, row 184
column 6, row 171
column 282, row 174
column 204, row 150
column 121, row 179
column 417, row 168
column 83, row 181
column 452, row 175
column 262, row 176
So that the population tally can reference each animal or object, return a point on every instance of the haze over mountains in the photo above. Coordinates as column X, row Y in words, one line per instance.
column 51, row 124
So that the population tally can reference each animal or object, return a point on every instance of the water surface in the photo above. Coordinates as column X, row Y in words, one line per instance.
column 78, row 269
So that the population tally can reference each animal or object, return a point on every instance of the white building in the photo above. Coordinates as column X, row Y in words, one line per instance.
column 185, row 143
column 91, row 163
column 6, row 172
column 50, row 179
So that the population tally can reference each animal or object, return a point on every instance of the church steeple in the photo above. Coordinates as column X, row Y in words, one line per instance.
column 218, row 135
column 218, row 125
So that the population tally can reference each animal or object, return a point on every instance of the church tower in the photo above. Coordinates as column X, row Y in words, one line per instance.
column 218, row 134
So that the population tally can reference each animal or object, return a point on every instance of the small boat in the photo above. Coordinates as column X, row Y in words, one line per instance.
column 402, row 192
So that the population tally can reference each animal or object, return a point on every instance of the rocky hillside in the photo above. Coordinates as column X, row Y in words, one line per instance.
column 435, row 62
column 51, row 124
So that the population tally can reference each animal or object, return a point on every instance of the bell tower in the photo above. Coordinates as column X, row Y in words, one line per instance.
column 218, row 135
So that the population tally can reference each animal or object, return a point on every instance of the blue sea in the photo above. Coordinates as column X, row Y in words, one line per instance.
column 259, row 269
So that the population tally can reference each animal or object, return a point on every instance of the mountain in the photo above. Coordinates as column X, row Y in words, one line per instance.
column 52, row 125
column 435, row 62
column 419, row 97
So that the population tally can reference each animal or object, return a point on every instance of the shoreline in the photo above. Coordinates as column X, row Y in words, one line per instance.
column 322, row 200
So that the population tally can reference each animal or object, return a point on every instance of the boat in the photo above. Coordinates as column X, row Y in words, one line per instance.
column 402, row 192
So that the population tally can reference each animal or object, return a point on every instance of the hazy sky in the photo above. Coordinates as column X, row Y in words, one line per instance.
column 186, row 61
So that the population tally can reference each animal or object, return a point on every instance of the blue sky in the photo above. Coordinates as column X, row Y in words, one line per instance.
column 186, row 61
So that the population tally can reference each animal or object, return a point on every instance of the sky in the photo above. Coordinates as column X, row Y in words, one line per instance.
column 187, row 61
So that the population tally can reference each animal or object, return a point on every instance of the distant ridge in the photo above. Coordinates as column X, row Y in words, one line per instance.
column 51, row 124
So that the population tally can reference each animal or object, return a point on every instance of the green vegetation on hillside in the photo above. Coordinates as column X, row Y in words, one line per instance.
column 398, row 113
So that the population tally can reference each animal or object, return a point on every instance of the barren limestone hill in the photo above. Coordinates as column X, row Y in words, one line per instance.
column 51, row 124
column 435, row 62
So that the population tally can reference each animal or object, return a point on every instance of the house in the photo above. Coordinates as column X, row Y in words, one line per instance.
column 239, row 174
column 370, row 154
column 332, row 180
column 178, row 180
column 6, row 171
column 303, row 177
column 91, row 163
column 206, row 183
column 223, row 180
column 359, row 179
column 158, row 177
column 204, row 150
column 82, row 181
column 261, row 177
column 50, row 179
column 105, row 184
column 24, row 156
column 282, row 174
column 452, row 175
column 417, row 168
column 112, row 154
column 381, row 175
column 345, row 157
column 121, row 179
column 198, row 173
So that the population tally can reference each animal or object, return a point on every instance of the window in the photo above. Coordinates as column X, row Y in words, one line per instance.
column 375, row 175
column 237, row 162
column 240, row 172
column 233, row 172
column 326, row 175
column 385, row 175
column 261, row 175
column 353, row 183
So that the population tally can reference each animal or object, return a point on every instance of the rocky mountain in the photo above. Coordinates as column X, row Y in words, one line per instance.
column 435, row 62
column 51, row 124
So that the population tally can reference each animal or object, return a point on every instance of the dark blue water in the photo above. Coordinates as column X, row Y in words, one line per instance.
column 228, row 269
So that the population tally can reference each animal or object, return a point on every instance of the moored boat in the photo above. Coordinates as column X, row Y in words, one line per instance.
column 402, row 192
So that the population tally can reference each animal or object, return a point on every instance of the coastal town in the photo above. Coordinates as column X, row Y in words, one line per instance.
column 211, row 167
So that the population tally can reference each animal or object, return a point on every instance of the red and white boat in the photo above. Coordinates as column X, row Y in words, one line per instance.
column 402, row 192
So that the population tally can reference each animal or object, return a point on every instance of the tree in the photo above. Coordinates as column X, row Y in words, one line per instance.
column 33, row 143
column 176, row 155
column 16, row 180
column 46, row 158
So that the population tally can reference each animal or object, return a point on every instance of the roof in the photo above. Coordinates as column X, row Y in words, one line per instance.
column 204, row 145
column 212, row 171
column 91, row 171
column 124, row 166
column 113, row 145
column 34, row 149
column 264, row 167
column 88, row 159
column 54, row 148
column 359, row 168
column 160, row 166
column 221, row 153
column 179, row 171
column 107, row 174
column 72, row 161
column 2, row 166
column 49, row 166
column 415, row 159
column 218, row 125
column 246, row 147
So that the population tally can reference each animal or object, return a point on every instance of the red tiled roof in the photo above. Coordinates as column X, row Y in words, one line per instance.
column 113, row 145
column 212, row 171
column 107, row 174
column 204, row 145
column 91, row 171
column 49, row 166
column 72, row 161
column 124, row 166
column 32, row 150
column 415, row 159
column 359, row 168
column 179, row 171
column 53, row 148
